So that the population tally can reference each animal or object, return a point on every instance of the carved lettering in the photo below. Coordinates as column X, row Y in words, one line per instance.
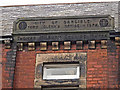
column 63, row 24
column 63, row 37
column 51, row 26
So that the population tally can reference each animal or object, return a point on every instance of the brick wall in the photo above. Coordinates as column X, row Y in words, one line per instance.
column 118, row 57
column 113, row 65
column 25, row 69
column 0, row 66
column 97, row 68
column 102, row 66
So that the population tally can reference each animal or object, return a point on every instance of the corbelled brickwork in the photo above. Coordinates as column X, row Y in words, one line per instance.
column 102, row 67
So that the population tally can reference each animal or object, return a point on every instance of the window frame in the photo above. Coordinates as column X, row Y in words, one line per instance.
column 61, row 77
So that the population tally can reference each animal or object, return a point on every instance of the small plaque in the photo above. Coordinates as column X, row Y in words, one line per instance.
column 103, row 44
column 22, row 25
column 79, row 45
column 67, row 45
column 55, row 45
column 91, row 44
column 31, row 46
column 104, row 22
column 43, row 45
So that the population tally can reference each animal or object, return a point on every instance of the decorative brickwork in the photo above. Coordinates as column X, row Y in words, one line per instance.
column 100, row 74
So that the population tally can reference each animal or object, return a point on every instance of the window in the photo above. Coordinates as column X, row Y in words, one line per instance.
column 61, row 71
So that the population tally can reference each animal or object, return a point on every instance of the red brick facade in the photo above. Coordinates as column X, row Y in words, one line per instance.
column 102, row 66
column 28, row 31
column 5, row 74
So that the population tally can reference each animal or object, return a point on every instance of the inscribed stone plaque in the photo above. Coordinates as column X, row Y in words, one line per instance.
column 63, row 24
